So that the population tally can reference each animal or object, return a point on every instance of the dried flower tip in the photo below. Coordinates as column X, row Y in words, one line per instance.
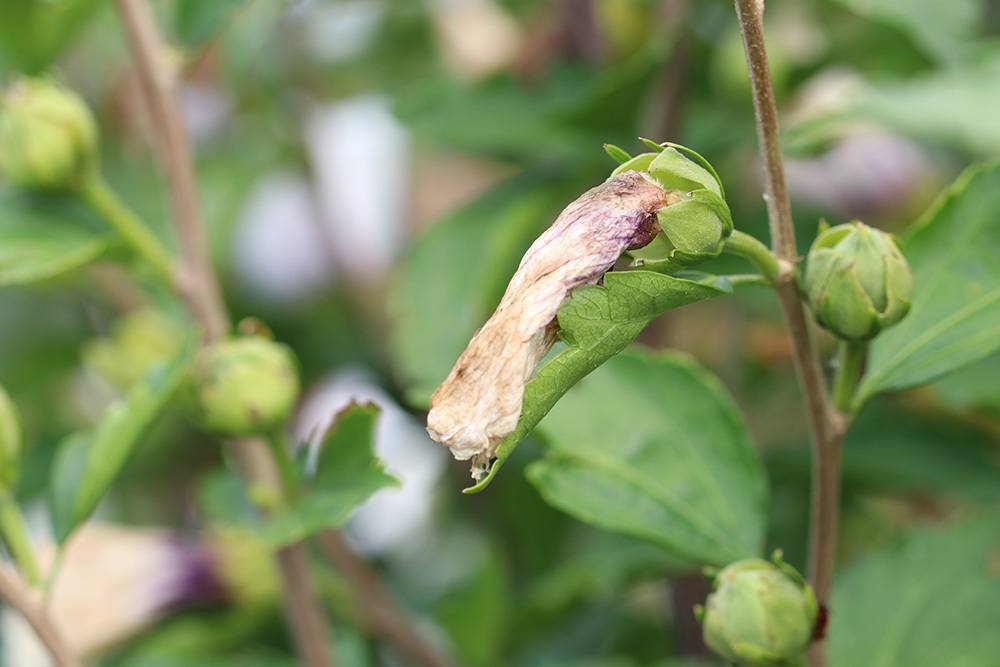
column 480, row 402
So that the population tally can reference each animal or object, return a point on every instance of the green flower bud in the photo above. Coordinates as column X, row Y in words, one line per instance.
column 139, row 342
column 759, row 614
column 48, row 138
column 693, row 229
column 245, row 386
column 857, row 281
column 10, row 443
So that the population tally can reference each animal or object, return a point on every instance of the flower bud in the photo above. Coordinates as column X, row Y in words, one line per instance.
column 10, row 443
column 759, row 613
column 857, row 281
column 48, row 138
column 692, row 230
column 139, row 341
column 245, row 386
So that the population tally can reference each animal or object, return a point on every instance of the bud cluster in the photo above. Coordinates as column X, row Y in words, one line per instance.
column 692, row 230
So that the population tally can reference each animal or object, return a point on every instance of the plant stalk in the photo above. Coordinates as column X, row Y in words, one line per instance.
column 15, row 536
column 200, row 287
column 379, row 611
column 16, row 593
column 826, row 426
column 850, row 362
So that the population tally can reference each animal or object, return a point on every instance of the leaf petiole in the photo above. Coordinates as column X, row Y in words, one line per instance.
column 15, row 536
column 106, row 202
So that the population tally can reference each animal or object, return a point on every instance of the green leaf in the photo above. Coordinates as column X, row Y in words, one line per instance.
column 347, row 474
column 476, row 612
column 972, row 388
column 563, row 116
column 87, row 463
column 196, row 21
column 597, row 568
column 921, row 453
column 955, row 318
column 454, row 275
column 932, row 600
column 597, row 322
column 33, row 32
column 651, row 446
column 943, row 29
column 40, row 239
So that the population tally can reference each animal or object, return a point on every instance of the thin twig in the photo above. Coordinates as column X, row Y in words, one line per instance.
column 16, row 593
column 825, row 424
column 380, row 613
column 197, row 281
column 199, row 284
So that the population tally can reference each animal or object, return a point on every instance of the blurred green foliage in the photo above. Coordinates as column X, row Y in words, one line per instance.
column 590, row 560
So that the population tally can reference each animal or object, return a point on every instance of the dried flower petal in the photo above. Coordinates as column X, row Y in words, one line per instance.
column 480, row 402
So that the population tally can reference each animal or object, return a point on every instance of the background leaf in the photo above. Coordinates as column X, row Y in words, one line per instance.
column 32, row 32
column 651, row 446
column 196, row 21
column 955, row 318
column 87, row 463
column 597, row 322
column 42, row 239
column 347, row 473
column 943, row 29
column 932, row 600
column 943, row 106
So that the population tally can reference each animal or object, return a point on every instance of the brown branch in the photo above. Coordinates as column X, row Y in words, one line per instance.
column 825, row 424
column 200, row 286
column 379, row 611
column 197, row 281
column 16, row 593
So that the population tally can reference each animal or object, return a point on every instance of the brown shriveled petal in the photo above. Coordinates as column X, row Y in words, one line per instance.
column 480, row 402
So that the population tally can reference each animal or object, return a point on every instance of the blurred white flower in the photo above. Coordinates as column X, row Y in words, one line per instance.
column 205, row 109
column 360, row 157
column 393, row 518
column 279, row 251
column 477, row 37
column 341, row 30
column 113, row 583
column 863, row 176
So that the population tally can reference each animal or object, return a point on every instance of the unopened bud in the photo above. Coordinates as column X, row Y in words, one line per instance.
column 696, row 228
column 857, row 281
column 48, row 137
column 139, row 342
column 759, row 613
column 245, row 386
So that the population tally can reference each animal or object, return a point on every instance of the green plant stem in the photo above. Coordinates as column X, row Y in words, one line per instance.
column 747, row 280
column 15, row 536
column 109, row 205
column 851, row 359
column 278, row 444
column 743, row 245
